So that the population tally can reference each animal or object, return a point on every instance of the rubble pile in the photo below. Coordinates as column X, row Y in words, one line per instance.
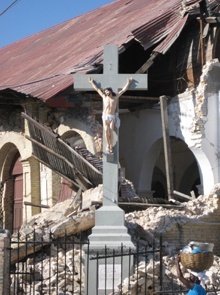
column 144, row 226
column 157, row 220
column 51, row 274
column 70, row 271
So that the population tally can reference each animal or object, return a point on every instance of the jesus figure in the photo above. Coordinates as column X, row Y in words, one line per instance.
column 109, row 116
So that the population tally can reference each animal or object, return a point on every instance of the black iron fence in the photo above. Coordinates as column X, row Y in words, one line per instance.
column 68, row 265
column 42, row 265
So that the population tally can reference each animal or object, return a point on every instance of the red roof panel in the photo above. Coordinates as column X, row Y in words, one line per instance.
column 43, row 64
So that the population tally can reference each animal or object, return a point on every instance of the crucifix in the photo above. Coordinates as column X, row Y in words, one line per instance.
column 109, row 229
column 110, row 78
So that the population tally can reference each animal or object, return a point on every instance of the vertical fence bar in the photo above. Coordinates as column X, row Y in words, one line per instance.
column 18, row 236
column 50, row 271
column 113, row 272
column 161, row 263
column 154, row 265
column 57, row 267
column 97, row 273
column 26, row 256
column 11, row 271
column 137, row 259
column 65, row 267
column 129, row 277
column 145, row 265
column 35, row 242
column 73, row 267
column 81, row 264
column 105, row 268
column 122, row 252
column 87, row 268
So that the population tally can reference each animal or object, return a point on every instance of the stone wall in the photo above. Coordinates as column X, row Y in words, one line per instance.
column 181, row 235
column 203, row 228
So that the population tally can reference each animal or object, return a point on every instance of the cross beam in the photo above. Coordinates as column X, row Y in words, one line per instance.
column 110, row 78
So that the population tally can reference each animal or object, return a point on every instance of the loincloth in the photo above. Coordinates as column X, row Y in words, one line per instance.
column 109, row 118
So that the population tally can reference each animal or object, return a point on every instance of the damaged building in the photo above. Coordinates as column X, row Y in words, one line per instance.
column 51, row 134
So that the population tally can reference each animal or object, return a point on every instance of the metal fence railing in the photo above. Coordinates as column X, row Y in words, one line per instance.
column 70, row 265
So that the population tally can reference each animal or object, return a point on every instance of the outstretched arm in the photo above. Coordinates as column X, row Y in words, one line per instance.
column 91, row 81
column 185, row 282
column 129, row 81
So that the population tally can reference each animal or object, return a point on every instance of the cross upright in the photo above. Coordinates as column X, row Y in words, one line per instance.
column 110, row 78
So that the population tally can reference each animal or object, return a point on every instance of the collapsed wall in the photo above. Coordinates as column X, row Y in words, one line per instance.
column 197, row 220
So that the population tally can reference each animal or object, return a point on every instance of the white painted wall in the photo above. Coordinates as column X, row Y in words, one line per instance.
column 138, row 133
column 198, row 126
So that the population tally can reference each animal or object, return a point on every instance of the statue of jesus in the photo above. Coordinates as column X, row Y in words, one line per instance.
column 109, row 116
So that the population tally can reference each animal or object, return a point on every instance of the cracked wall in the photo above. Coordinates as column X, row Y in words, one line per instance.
column 194, row 117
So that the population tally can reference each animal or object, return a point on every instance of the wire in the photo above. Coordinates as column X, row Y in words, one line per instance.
column 6, row 9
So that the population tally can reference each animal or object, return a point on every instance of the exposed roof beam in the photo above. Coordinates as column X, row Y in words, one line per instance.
column 148, row 63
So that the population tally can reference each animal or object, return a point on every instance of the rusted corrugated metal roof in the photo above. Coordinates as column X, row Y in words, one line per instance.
column 42, row 65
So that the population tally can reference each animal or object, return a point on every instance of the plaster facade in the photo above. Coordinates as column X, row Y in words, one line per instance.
column 193, row 122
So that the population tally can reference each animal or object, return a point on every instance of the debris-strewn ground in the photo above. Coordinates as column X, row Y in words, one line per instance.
column 143, row 225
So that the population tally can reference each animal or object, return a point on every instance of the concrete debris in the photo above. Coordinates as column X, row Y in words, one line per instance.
column 144, row 226
column 159, row 220
column 66, row 265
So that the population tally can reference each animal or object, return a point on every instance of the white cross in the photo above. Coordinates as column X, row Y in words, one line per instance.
column 110, row 78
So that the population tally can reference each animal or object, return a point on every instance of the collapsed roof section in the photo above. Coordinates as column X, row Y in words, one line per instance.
column 78, row 166
column 56, row 154
column 43, row 65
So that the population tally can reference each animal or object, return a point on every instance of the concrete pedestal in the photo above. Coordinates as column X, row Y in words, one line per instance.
column 108, row 259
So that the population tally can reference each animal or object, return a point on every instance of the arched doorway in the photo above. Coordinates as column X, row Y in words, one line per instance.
column 17, row 175
column 73, row 139
column 12, row 177
column 186, row 177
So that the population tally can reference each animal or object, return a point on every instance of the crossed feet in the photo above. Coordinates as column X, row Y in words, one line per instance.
column 109, row 149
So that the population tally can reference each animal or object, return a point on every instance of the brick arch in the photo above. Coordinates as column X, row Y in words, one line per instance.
column 73, row 138
column 84, row 131
column 183, row 157
column 23, row 145
column 77, row 132
column 9, row 154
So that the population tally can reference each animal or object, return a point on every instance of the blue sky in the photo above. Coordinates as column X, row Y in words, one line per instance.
column 27, row 17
